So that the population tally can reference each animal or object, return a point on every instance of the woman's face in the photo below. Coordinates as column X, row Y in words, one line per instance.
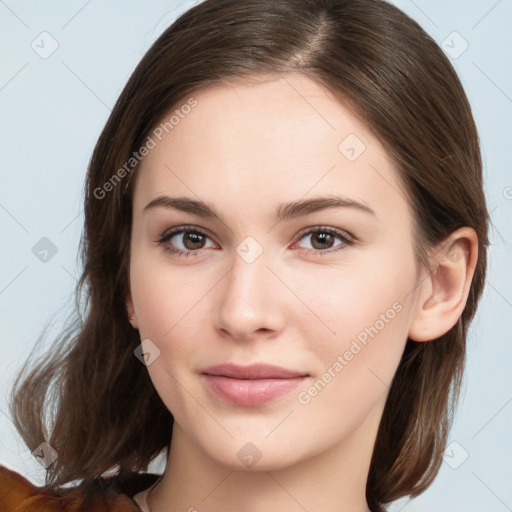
column 326, row 292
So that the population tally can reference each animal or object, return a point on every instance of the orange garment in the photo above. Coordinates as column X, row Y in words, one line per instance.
column 17, row 494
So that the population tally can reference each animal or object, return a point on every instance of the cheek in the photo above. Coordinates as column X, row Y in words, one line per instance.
column 356, row 366
column 364, row 317
column 346, row 301
column 169, row 304
column 161, row 296
column 368, row 341
column 164, row 304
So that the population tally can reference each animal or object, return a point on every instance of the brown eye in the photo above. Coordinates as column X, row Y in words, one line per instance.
column 323, row 239
column 193, row 241
column 184, row 241
column 320, row 239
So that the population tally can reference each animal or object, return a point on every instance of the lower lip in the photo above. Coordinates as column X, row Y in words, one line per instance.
column 250, row 392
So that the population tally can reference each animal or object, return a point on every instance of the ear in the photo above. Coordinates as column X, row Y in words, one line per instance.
column 131, row 311
column 444, row 291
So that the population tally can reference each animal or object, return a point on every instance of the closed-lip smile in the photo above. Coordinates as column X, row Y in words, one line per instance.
column 251, row 385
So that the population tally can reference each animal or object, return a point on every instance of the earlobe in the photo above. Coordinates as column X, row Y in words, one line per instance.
column 131, row 312
column 444, row 291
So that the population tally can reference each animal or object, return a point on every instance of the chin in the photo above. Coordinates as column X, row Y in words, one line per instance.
column 257, row 455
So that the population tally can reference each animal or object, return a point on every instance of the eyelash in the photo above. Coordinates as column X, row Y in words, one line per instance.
column 348, row 240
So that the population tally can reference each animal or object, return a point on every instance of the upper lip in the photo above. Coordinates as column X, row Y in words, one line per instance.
column 253, row 371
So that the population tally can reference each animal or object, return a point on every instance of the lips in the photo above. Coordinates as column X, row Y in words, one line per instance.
column 252, row 385
column 254, row 371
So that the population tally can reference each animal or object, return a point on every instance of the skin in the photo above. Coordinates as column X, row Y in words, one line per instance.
column 246, row 148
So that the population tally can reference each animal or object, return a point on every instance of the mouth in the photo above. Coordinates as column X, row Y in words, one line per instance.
column 252, row 385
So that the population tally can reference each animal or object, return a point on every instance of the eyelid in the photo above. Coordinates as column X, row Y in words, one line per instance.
column 184, row 227
column 329, row 229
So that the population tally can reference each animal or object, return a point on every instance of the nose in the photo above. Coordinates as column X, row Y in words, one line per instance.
column 250, row 302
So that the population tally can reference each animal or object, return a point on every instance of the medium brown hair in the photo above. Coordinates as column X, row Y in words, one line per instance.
column 105, row 411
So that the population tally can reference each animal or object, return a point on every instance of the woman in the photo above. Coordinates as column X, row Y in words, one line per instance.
column 273, row 369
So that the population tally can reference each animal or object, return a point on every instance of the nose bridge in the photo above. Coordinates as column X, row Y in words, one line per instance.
column 248, row 300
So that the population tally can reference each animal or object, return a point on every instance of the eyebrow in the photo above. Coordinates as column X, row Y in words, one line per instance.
column 285, row 211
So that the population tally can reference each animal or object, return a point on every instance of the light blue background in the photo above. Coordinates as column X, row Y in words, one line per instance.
column 52, row 111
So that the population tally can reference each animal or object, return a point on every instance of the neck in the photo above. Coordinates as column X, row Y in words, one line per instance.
column 333, row 480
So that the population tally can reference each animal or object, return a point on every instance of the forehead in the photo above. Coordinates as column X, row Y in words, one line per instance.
column 266, row 140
